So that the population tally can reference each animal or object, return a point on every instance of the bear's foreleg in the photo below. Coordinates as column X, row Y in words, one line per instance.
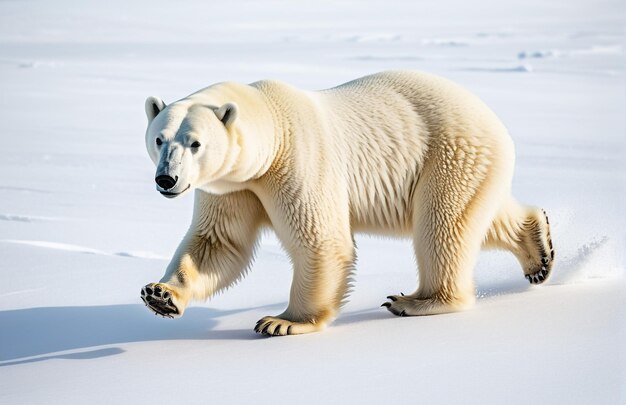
column 320, row 284
column 215, row 253
column 319, row 241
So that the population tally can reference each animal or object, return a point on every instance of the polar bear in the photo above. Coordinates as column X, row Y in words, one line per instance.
column 398, row 153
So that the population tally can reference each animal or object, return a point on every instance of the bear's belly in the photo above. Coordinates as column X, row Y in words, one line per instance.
column 384, row 204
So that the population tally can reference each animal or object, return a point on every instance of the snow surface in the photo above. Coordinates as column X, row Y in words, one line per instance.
column 82, row 228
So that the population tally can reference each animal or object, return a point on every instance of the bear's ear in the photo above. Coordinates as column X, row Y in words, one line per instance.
column 227, row 113
column 154, row 106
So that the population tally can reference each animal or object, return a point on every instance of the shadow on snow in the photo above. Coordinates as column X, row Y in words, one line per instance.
column 42, row 331
column 37, row 334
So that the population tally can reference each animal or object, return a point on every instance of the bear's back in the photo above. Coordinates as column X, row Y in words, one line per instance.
column 378, row 130
column 383, row 142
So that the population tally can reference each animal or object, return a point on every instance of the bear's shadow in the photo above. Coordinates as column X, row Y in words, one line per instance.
column 41, row 331
column 37, row 334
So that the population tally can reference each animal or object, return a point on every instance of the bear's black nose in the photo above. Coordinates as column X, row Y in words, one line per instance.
column 166, row 182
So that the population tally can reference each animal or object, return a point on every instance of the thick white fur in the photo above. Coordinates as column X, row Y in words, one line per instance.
column 397, row 153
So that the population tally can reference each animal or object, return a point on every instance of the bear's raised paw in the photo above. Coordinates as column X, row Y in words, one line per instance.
column 542, row 270
column 541, row 275
column 159, row 300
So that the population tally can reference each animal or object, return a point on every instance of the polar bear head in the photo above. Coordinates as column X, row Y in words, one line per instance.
column 191, row 144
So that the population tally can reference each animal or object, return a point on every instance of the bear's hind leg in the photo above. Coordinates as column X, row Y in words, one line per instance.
column 457, row 197
column 446, row 251
column 525, row 232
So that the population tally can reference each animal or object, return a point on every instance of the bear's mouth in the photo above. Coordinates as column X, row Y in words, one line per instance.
column 169, row 194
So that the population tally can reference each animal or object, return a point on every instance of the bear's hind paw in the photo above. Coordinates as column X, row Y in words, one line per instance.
column 542, row 270
column 408, row 305
column 540, row 276
column 273, row 326
column 159, row 300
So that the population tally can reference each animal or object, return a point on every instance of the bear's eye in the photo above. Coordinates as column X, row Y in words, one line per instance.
column 159, row 142
column 196, row 144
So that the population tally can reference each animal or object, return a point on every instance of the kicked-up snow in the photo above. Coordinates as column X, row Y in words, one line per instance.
column 82, row 228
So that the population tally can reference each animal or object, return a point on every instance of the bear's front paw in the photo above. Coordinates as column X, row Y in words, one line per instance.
column 160, row 300
column 273, row 326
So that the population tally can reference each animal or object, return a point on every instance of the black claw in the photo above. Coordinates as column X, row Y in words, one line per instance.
column 402, row 313
column 552, row 254
column 527, row 276
column 386, row 304
column 264, row 331
column 289, row 330
column 541, row 278
column 143, row 292
column 544, row 272
column 402, row 294
column 547, row 220
column 391, row 297
column 544, row 260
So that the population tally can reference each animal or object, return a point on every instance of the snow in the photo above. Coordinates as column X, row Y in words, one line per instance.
column 82, row 228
